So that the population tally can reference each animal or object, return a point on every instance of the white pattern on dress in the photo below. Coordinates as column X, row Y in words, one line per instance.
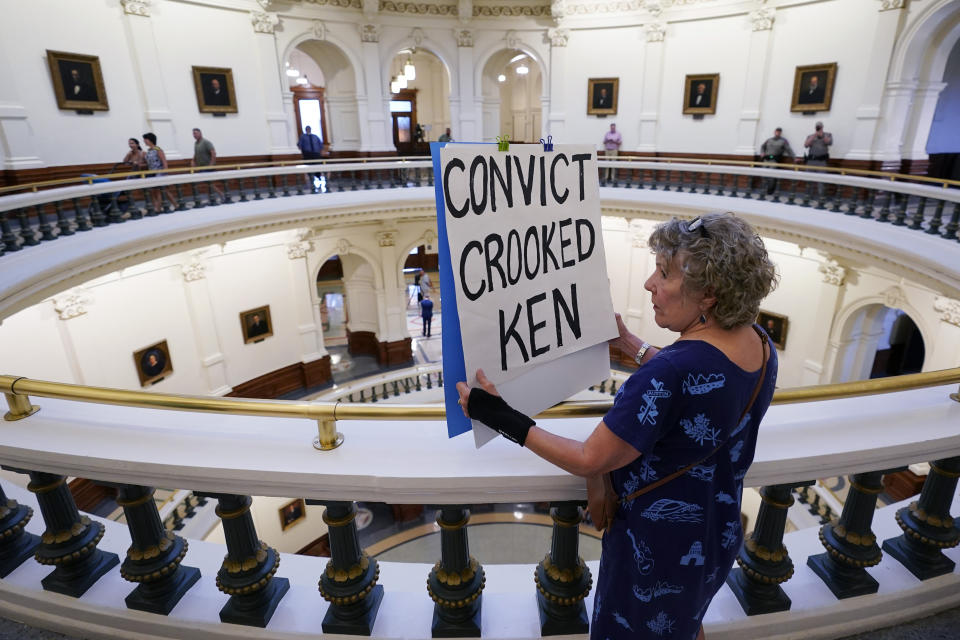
column 661, row 624
column 731, row 534
column 621, row 620
column 725, row 498
column 735, row 451
column 662, row 588
column 703, row 472
column 648, row 414
column 641, row 554
column 700, row 429
column 701, row 384
column 671, row 510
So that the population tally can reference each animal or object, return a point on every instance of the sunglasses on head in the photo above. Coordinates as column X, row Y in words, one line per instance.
column 697, row 225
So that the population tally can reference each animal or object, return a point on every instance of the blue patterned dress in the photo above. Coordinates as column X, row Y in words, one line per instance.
column 669, row 551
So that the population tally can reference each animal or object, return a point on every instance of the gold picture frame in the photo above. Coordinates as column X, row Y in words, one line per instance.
column 813, row 87
column 700, row 93
column 292, row 513
column 602, row 96
column 776, row 326
column 153, row 363
column 215, row 90
column 77, row 81
column 256, row 324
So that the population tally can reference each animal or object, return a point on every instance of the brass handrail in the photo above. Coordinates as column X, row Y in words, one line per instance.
column 17, row 387
column 667, row 160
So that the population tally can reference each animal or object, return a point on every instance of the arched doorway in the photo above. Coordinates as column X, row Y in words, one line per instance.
column 943, row 143
column 325, row 92
column 332, row 296
column 878, row 341
column 419, row 100
column 512, row 85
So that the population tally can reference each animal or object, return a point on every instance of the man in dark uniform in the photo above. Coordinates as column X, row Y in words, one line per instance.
column 426, row 313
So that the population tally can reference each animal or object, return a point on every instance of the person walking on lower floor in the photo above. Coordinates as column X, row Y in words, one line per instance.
column 426, row 313
column 817, row 145
column 775, row 150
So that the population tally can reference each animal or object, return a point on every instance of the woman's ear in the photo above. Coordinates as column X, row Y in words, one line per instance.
column 708, row 301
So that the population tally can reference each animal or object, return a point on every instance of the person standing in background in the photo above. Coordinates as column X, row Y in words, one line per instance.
column 445, row 137
column 611, row 148
column 205, row 155
column 426, row 313
column 310, row 147
column 818, row 151
column 775, row 150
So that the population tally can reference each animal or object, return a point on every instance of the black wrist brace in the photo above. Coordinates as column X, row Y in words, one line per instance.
column 494, row 412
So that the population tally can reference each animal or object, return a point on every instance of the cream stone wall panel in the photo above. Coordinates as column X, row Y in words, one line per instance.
column 698, row 47
column 33, row 346
column 361, row 294
column 266, row 517
column 813, row 34
column 56, row 136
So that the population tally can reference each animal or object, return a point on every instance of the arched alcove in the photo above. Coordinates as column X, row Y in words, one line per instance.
column 512, row 86
column 878, row 341
column 943, row 142
column 336, row 75
column 424, row 102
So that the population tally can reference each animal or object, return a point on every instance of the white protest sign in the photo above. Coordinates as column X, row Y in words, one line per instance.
column 526, row 251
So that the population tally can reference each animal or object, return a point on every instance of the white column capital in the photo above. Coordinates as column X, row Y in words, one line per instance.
column 194, row 270
column 464, row 37
column 297, row 250
column 136, row 7
column 370, row 32
column 833, row 272
column 387, row 238
column 264, row 22
column 892, row 5
column 948, row 308
column 73, row 303
column 558, row 37
column 762, row 19
column 655, row 31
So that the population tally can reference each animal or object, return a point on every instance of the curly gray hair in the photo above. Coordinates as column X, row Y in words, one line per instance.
column 724, row 256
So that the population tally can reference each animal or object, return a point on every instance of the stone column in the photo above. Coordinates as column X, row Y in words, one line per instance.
column 309, row 324
column 378, row 132
column 556, row 116
column 391, row 299
column 468, row 127
column 946, row 335
column 200, row 307
column 654, row 33
column 755, row 74
column 921, row 117
column 829, row 298
column 145, row 56
column 265, row 26
column 20, row 148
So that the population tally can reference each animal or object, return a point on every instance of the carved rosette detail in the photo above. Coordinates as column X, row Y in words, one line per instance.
column 656, row 31
column 948, row 308
column 387, row 238
column 892, row 5
column 297, row 250
column 464, row 38
column 370, row 33
column 653, row 7
column 72, row 304
column 136, row 7
column 264, row 22
column 343, row 246
column 512, row 40
column 762, row 19
column 558, row 37
column 833, row 272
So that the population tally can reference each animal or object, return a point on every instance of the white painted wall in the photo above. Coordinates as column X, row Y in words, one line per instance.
column 266, row 518
column 146, row 64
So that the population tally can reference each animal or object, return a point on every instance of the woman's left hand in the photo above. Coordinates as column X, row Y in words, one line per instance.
column 464, row 390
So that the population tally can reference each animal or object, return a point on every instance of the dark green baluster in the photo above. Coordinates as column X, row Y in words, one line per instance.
column 455, row 584
column 562, row 577
column 16, row 545
column 950, row 231
column 917, row 218
column 934, row 227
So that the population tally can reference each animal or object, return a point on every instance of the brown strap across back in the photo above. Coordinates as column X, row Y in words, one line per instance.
column 680, row 472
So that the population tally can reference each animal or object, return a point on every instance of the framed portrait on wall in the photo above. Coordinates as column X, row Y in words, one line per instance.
column 602, row 96
column 215, row 90
column 153, row 363
column 292, row 513
column 813, row 87
column 77, row 81
column 700, row 93
column 776, row 327
column 256, row 324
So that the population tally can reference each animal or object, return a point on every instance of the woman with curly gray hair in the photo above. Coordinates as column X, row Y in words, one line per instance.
column 681, row 434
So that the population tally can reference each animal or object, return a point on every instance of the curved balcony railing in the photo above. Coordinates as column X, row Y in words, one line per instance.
column 246, row 459
column 42, row 212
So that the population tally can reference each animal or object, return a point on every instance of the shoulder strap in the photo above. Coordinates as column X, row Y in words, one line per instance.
column 680, row 472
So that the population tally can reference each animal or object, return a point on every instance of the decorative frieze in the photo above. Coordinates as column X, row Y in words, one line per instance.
column 498, row 11
column 370, row 33
column 558, row 37
column 892, row 5
column 653, row 7
column 136, row 7
column 72, row 304
column 465, row 12
column 266, row 5
column 948, row 308
column 345, row 4
column 833, row 272
column 656, row 31
column 558, row 10
column 264, row 22
column 762, row 19
column 464, row 38
column 418, row 8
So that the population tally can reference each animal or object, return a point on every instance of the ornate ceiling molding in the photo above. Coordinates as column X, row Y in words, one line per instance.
column 948, row 308
column 300, row 249
column 464, row 37
column 264, row 22
column 504, row 11
column 370, row 33
column 344, row 4
column 558, row 37
column 418, row 8
column 762, row 19
column 833, row 272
